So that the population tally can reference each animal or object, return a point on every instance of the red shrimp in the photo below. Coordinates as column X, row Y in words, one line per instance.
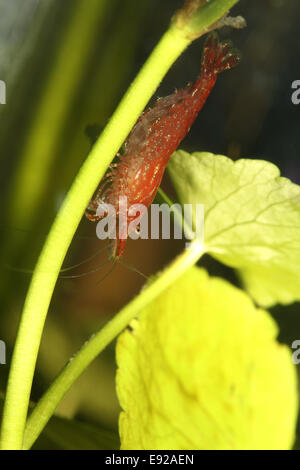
column 155, row 136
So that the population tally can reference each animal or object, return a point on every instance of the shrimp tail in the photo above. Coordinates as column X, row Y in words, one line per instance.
column 218, row 56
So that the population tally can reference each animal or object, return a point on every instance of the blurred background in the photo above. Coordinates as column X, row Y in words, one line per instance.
column 66, row 65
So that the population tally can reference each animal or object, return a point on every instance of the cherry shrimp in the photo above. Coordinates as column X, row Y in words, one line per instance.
column 148, row 148
column 155, row 136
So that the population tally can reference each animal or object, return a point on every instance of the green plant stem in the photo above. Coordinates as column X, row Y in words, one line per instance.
column 208, row 15
column 91, row 349
column 45, row 275
column 171, row 45
column 178, row 216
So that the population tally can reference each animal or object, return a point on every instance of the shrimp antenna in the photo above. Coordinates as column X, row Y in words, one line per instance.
column 87, row 273
column 128, row 265
column 108, row 272
column 103, row 248
column 68, row 268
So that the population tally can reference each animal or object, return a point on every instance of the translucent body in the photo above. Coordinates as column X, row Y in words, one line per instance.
column 156, row 135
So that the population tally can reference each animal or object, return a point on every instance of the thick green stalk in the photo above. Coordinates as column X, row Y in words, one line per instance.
column 63, row 229
column 171, row 45
column 202, row 19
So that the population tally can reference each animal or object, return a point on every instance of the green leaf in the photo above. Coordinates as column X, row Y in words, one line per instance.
column 72, row 434
column 252, row 219
column 201, row 369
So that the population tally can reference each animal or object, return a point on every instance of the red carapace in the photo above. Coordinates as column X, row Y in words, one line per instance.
column 155, row 136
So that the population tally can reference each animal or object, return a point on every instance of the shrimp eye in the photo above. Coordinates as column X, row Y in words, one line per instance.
column 137, row 229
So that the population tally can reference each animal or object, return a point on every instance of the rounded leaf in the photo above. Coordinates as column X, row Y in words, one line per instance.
column 201, row 369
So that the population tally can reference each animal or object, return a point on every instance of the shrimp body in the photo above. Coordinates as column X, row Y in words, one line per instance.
column 155, row 136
